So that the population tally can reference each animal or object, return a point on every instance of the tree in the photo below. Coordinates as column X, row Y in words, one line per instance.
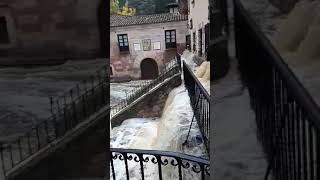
column 140, row 6
column 143, row 6
column 126, row 10
column 161, row 5
column 114, row 6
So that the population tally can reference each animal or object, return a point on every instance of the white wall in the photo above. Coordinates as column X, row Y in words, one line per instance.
column 155, row 32
column 129, row 63
column 199, row 13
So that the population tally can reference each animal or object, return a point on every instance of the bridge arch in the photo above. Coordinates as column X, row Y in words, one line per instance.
column 149, row 69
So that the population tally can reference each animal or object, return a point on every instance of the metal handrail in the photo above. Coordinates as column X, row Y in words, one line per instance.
column 205, row 92
column 62, row 120
column 298, row 90
column 75, row 92
column 170, row 69
column 287, row 117
column 202, row 112
column 184, row 162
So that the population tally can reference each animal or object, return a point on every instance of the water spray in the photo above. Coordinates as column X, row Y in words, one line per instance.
column 193, row 117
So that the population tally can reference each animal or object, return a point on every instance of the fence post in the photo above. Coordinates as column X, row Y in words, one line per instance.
column 51, row 105
column 179, row 61
column 2, row 169
column 74, row 113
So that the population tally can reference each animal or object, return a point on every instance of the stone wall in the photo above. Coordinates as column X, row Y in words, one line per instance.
column 60, row 28
column 127, row 64
column 151, row 105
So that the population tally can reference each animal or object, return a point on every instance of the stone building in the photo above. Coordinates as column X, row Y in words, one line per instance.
column 141, row 45
column 208, row 33
column 34, row 31
column 198, row 25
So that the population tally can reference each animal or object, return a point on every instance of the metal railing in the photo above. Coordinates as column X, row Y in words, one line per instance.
column 170, row 69
column 162, row 164
column 200, row 103
column 77, row 91
column 65, row 117
column 288, row 119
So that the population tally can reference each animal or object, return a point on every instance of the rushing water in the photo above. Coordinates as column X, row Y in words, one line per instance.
column 166, row 133
column 298, row 41
column 296, row 37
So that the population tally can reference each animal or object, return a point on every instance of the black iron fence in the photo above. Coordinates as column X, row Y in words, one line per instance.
column 146, row 164
column 169, row 69
column 200, row 102
column 81, row 88
column 65, row 117
column 288, row 119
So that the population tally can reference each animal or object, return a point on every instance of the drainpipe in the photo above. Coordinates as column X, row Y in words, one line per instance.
column 2, row 168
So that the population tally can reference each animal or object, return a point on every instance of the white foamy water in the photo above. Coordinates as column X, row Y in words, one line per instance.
column 296, row 37
column 298, row 41
column 202, row 72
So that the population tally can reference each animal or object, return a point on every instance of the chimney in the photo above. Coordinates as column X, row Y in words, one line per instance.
column 173, row 7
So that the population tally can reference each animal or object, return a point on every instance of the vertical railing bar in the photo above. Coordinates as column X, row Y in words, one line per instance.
column 29, row 145
column 289, row 137
column 11, row 155
column 112, row 167
column 38, row 137
column 310, row 131
column 299, row 143
column 159, row 166
column 179, row 161
column 2, row 158
column 304, row 146
column 126, row 164
column 141, row 165
column 20, row 149
column 293, row 127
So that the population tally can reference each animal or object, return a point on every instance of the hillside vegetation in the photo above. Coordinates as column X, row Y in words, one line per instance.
column 138, row 7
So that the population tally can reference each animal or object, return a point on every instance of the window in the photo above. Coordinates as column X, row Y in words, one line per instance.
column 111, row 72
column 4, row 36
column 123, row 42
column 137, row 46
column 170, row 39
column 194, row 42
column 188, row 42
column 207, row 38
column 156, row 45
column 192, row 2
column 191, row 24
column 200, row 42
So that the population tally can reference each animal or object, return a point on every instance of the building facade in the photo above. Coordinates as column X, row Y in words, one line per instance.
column 46, row 28
column 198, row 25
column 141, row 45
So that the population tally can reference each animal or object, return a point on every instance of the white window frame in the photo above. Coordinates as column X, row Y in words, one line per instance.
column 154, row 47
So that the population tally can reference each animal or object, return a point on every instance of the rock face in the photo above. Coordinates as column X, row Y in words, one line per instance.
column 284, row 5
